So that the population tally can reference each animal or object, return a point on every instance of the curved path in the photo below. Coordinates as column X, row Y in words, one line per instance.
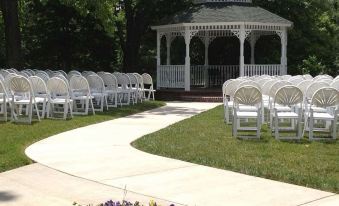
column 102, row 153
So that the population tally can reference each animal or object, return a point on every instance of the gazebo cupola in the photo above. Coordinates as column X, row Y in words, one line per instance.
column 210, row 19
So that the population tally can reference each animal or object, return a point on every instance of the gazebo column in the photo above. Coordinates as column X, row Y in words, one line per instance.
column 187, row 60
column 242, row 37
column 158, row 59
column 168, row 44
column 253, row 41
column 283, row 37
column 207, row 44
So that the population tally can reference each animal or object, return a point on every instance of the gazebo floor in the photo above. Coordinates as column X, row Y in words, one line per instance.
column 195, row 95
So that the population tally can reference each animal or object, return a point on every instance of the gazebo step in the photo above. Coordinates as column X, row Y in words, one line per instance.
column 196, row 95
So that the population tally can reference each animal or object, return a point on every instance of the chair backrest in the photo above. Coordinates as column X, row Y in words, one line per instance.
column 57, row 87
column 325, row 97
column 110, row 81
column 2, row 78
column 335, row 84
column 38, row 85
column 314, row 87
column 4, row 72
column 266, row 88
column 248, row 95
column 3, row 92
column 96, row 83
column 43, row 75
column 232, row 87
column 276, row 86
column 20, row 86
column 288, row 96
column 63, row 73
column 308, row 77
column 286, row 77
column 250, row 83
column 79, row 84
column 323, row 76
column 133, row 79
column 124, row 81
column 140, row 80
column 147, row 79
column 304, row 85
column 296, row 80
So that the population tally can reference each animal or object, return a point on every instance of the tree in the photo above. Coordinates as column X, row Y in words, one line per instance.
column 133, row 20
column 9, row 11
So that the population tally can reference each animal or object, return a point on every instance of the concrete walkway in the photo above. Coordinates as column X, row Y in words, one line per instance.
column 102, row 153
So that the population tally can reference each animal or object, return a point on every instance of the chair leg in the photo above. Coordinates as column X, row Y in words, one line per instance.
column 311, row 123
column 65, row 110
column 334, row 126
column 276, row 127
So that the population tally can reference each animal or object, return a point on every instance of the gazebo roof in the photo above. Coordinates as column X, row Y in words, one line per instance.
column 222, row 12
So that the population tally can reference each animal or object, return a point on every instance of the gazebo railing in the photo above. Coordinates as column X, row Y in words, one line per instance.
column 172, row 76
column 213, row 75
column 265, row 69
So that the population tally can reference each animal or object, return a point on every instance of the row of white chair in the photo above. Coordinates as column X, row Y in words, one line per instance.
column 60, row 95
column 307, row 101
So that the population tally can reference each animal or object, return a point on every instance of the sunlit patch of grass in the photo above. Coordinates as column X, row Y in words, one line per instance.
column 205, row 139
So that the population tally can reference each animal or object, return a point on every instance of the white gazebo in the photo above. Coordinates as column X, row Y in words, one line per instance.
column 209, row 19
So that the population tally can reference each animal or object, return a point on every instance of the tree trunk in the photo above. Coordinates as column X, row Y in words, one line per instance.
column 9, row 10
column 131, row 49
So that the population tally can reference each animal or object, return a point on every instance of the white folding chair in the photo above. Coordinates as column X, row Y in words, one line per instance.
column 97, row 87
column 111, row 88
column 148, row 86
column 58, row 94
column 248, row 96
column 40, row 93
column 291, row 97
column 124, row 90
column 328, row 99
column 22, row 95
column 80, row 92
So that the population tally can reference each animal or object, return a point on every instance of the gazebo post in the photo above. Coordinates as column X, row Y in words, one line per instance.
column 168, row 44
column 242, row 37
column 207, row 43
column 253, row 41
column 283, row 51
column 158, row 60
column 187, row 60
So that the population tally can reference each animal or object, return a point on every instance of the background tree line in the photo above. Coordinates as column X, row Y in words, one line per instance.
column 115, row 35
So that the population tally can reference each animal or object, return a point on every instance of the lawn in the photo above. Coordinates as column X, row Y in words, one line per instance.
column 206, row 140
column 15, row 138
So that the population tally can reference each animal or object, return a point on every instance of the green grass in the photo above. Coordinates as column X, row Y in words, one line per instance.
column 15, row 138
column 206, row 140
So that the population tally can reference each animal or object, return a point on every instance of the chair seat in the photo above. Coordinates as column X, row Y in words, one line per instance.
column 319, row 109
column 321, row 116
column 287, row 115
column 60, row 101
column 82, row 97
column 149, row 90
column 282, row 108
column 120, row 90
column 98, row 94
column 8, row 100
column 22, row 101
column 247, row 114
column 40, row 99
column 110, row 91
column 248, row 108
